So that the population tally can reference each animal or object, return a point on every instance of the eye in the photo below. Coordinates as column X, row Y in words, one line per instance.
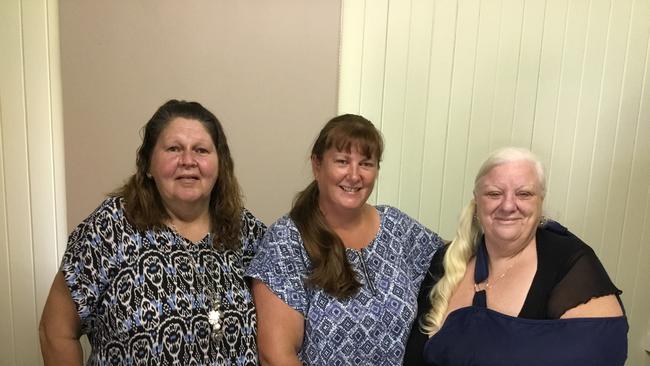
column 340, row 161
column 174, row 148
column 525, row 194
column 368, row 164
column 202, row 150
column 493, row 194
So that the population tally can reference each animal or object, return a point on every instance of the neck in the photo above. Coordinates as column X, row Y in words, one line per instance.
column 345, row 219
column 192, row 227
column 501, row 257
column 504, row 250
column 187, row 213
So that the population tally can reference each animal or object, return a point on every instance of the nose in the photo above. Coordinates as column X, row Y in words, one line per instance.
column 353, row 172
column 187, row 159
column 509, row 202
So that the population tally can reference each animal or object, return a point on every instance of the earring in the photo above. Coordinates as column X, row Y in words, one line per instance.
column 149, row 175
column 543, row 221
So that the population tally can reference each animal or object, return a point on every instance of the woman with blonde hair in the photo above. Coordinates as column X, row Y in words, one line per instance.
column 514, row 289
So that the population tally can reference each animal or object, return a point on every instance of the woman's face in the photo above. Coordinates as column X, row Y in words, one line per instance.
column 509, row 202
column 184, row 163
column 345, row 179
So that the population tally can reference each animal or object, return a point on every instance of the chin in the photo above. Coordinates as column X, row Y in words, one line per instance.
column 192, row 199
column 506, row 235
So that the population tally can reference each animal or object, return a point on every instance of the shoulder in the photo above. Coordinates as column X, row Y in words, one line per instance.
column 282, row 235
column 399, row 222
column 113, row 205
column 568, row 274
column 562, row 249
column 109, row 211
column 387, row 210
column 284, row 223
column 251, row 225
column 390, row 214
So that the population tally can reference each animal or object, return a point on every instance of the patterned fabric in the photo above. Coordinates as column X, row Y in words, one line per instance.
column 143, row 297
column 371, row 327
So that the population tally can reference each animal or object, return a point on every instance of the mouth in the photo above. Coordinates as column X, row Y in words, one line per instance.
column 508, row 219
column 350, row 189
column 187, row 177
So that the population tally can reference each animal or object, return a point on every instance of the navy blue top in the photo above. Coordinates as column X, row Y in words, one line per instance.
column 476, row 335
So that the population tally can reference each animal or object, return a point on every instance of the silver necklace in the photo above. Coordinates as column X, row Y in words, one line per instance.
column 215, row 315
column 487, row 285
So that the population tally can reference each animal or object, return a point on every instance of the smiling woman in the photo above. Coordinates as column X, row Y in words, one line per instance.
column 155, row 274
column 335, row 280
column 513, row 288
column 184, row 166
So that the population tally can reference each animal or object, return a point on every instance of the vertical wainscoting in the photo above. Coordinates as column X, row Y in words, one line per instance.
column 450, row 80
column 32, row 193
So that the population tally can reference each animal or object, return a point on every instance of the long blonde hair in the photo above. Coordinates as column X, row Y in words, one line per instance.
column 463, row 247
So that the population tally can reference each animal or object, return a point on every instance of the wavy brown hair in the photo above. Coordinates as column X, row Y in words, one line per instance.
column 143, row 204
column 331, row 270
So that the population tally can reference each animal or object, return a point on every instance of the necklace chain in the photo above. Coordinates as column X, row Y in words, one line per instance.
column 215, row 315
column 486, row 285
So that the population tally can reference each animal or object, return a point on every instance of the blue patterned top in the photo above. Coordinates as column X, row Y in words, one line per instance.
column 371, row 327
column 143, row 296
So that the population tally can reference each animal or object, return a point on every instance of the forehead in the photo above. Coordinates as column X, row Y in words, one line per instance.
column 512, row 174
column 350, row 150
column 181, row 127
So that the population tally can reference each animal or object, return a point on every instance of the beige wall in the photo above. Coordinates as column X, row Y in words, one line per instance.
column 451, row 80
column 267, row 69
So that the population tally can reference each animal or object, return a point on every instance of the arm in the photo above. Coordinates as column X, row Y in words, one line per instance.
column 60, row 327
column 598, row 307
column 280, row 328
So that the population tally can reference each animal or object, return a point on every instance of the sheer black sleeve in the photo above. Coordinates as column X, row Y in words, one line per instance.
column 568, row 274
column 585, row 279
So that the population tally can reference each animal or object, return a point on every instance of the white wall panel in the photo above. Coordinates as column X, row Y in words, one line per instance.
column 32, row 198
column 440, row 82
column 567, row 79
column 414, row 115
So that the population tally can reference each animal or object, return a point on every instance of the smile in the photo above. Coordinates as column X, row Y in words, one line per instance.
column 508, row 220
column 350, row 189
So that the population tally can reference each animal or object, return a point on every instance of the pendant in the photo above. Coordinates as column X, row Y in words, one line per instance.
column 483, row 286
column 215, row 318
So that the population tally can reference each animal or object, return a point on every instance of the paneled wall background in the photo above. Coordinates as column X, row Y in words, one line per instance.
column 32, row 191
column 448, row 81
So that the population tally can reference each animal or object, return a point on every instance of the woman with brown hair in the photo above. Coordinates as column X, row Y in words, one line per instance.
column 336, row 280
column 155, row 275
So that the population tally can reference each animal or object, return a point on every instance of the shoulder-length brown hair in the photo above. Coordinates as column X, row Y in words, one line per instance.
column 143, row 204
column 331, row 270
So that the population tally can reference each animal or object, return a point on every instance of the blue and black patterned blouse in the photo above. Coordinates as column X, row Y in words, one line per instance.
column 143, row 297
column 371, row 327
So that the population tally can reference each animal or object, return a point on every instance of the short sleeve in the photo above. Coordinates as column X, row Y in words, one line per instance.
column 281, row 264
column 252, row 231
column 421, row 244
column 89, row 261
column 585, row 279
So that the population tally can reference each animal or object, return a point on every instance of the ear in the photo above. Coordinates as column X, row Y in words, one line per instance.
column 315, row 165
